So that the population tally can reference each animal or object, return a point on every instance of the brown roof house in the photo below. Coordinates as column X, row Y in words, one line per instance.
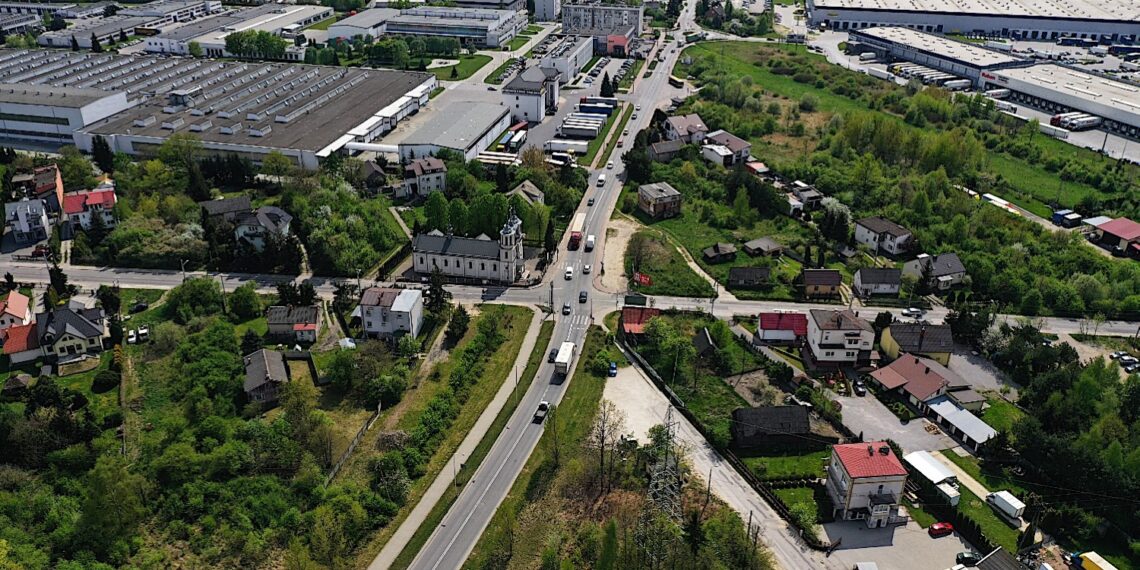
column 295, row 324
column 719, row 253
column 265, row 373
column 763, row 246
column 749, row 277
column 659, row 200
column 422, row 176
column 689, row 128
column 664, row 151
column 821, row 282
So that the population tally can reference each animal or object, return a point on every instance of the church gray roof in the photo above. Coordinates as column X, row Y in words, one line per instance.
column 454, row 245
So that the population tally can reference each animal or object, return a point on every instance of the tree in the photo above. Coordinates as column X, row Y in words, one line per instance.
column 277, row 164
column 9, row 281
column 96, row 47
column 244, row 303
column 195, row 49
column 74, row 44
column 435, row 212
column 1031, row 302
column 250, row 342
column 607, row 87
column 548, row 241
column 109, row 299
column 604, row 435
column 408, row 346
column 122, row 36
column 437, row 296
column 502, row 178
column 457, row 326
column 112, row 506
column 454, row 72
column 58, row 281
column 102, row 154
column 195, row 297
column 459, row 217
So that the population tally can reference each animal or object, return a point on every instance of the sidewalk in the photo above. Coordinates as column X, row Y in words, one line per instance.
column 404, row 533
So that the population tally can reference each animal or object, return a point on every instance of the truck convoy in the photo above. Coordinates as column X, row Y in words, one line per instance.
column 576, row 231
column 565, row 358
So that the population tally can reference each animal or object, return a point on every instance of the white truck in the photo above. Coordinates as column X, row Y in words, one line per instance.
column 590, row 241
column 879, row 73
column 565, row 358
column 1006, row 504
column 561, row 145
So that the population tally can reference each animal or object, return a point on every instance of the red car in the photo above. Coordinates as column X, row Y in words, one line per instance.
column 940, row 529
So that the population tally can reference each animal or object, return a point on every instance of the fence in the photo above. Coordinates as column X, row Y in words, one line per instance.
column 383, row 272
column 352, row 446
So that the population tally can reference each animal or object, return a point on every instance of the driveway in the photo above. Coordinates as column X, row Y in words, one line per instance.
column 980, row 373
column 894, row 548
column 869, row 416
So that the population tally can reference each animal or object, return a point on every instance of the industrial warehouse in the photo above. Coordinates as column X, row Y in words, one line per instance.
column 936, row 52
column 1061, row 89
column 53, row 98
column 471, row 26
column 1115, row 20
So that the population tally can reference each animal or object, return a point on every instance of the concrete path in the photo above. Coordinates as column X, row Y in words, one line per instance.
column 404, row 533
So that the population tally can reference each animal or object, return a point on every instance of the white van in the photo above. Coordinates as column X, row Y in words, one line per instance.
column 590, row 241
column 601, row 180
column 569, row 272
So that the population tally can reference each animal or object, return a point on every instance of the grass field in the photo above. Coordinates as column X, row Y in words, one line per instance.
column 627, row 81
column 323, row 24
column 1001, row 414
column 793, row 496
column 596, row 142
column 492, row 78
column 994, row 528
column 666, row 268
column 471, row 464
column 517, row 43
column 467, row 66
column 807, row 464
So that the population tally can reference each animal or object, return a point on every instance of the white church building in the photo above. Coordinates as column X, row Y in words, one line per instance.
column 479, row 258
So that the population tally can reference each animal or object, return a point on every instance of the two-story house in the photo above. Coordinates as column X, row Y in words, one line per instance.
column 256, row 226
column 877, row 281
column 71, row 330
column 944, row 270
column 294, row 324
column 839, row 338
column 15, row 310
column 44, row 183
column 27, row 220
column 865, row 482
column 265, row 374
column 820, row 282
column 882, row 235
column 659, row 200
column 688, row 128
column 739, row 150
column 386, row 312
column 422, row 176
column 80, row 208
column 932, row 341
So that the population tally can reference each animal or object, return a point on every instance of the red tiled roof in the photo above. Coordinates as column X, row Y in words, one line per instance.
column 77, row 202
column 305, row 327
column 920, row 377
column 20, row 338
column 15, row 304
column 795, row 322
column 1122, row 228
column 633, row 319
column 861, row 463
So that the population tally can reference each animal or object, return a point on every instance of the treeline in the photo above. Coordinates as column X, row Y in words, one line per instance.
column 256, row 43
column 724, row 16
column 398, row 52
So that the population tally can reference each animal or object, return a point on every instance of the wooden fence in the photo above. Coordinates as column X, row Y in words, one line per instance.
column 352, row 446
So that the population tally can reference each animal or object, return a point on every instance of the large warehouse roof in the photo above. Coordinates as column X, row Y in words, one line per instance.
column 1114, row 10
column 941, row 46
column 458, row 125
column 1102, row 90
column 67, row 97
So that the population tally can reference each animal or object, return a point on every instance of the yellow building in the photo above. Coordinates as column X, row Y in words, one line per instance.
column 931, row 341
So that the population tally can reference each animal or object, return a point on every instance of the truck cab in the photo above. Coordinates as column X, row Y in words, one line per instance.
column 540, row 413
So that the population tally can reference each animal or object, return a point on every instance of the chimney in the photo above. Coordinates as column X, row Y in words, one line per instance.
column 927, row 371
column 921, row 336
column 870, row 450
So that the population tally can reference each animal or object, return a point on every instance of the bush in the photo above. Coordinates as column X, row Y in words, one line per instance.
column 105, row 381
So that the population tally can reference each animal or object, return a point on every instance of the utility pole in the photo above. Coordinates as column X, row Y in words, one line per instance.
column 552, row 297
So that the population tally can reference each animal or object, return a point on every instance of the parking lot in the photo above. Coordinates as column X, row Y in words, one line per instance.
column 868, row 416
column 894, row 548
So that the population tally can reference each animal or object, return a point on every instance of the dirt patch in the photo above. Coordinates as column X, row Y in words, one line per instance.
column 754, row 388
column 79, row 366
column 613, row 278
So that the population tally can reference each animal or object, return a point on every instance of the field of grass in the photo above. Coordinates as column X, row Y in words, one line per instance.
column 492, row 78
column 993, row 527
column 627, row 81
column 793, row 496
column 992, row 479
column 574, row 415
column 610, row 146
column 1000, row 414
column 323, row 24
column 804, row 464
column 667, row 269
column 467, row 66
column 596, row 142
column 102, row 404
column 496, row 371
column 471, row 464
column 923, row 518
column 517, row 43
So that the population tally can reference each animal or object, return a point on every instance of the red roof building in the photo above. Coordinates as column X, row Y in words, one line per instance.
column 21, row 344
column 14, row 310
column 862, row 460
column 865, row 481
column 1121, row 232
column 794, row 322
column 633, row 319
column 79, row 202
column 918, row 378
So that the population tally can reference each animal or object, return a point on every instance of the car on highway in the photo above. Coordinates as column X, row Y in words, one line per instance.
column 565, row 308
column 569, row 273
column 940, row 529
column 912, row 312
column 491, row 88
column 601, row 180
column 625, row 133
column 621, row 143
column 582, row 296
column 540, row 413
column 637, row 107
column 590, row 202
column 613, row 369
column 610, row 165
column 553, row 354
column 586, row 269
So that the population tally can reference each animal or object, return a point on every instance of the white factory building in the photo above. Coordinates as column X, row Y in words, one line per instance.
column 171, row 11
column 547, row 10
column 1060, row 89
column 104, row 29
column 466, row 127
column 40, row 9
column 210, row 32
column 1116, row 20
column 569, row 56
column 471, row 26
column 42, row 116
column 964, row 60
column 366, row 23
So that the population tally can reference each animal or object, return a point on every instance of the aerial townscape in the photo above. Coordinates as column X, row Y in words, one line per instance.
column 570, row 284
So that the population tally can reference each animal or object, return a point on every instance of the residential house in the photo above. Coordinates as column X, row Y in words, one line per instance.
column 959, row 422
column 877, row 281
column 634, row 318
column 821, row 282
column 21, row 343
column 71, row 330
column 388, row 313
column 717, row 154
column 254, row 227
column 374, row 174
column 422, row 176
column 749, row 277
column 665, row 151
column 15, row 310
column 528, row 192
column 839, row 338
column 916, row 379
column 781, row 328
column 1121, row 234
column 44, row 183
column 719, row 252
column 227, row 209
column 81, row 208
column 688, row 128
column 774, row 427
column 763, row 246
column 882, row 235
column 807, row 194
column 740, row 149
column 944, row 270
column 757, row 168
column 294, row 324
column 27, row 220
column 265, row 374
column 935, row 342
column 659, row 200
column 865, row 482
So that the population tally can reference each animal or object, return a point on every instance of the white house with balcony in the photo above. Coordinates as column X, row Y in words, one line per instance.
column 865, row 481
column 882, row 235
column 27, row 220
column 839, row 338
column 387, row 312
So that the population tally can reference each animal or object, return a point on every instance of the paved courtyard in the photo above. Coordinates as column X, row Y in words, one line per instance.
column 895, row 548
column 870, row 417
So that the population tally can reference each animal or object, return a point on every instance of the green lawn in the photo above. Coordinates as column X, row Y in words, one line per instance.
column 101, row 404
column 800, row 495
column 590, row 64
column 517, row 43
column 1000, row 414
column 574, row 416
column 923, row 518
column 667, row 269
column 992, row 479
column 492, row 78
column 471, row 464
column 994, row 528
column 596, row 142
column 323, row 24
column 532, row 29
column 627, row 80
column 805, row 464
column 467, row 66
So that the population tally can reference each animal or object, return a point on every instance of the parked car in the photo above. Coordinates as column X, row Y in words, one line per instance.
column 590, row 202
column 1117, row 354
column 565, row 308
column 940, row 529
column 859, row 388
column 613, row 369
column 132, row 336
column 912, row 312
column 610, row 165
column 553, row 353
column 1132, row 368
column 144, row 333
column 967, row 558
column 1128, row 359
column 140, row 307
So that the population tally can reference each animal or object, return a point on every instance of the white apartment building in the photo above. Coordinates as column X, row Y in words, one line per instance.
column 422, row 176
column 547, row 10
column 27, row 220
column 865, row 481
column 386, row 312
column 839, row 338
column 882, row 235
